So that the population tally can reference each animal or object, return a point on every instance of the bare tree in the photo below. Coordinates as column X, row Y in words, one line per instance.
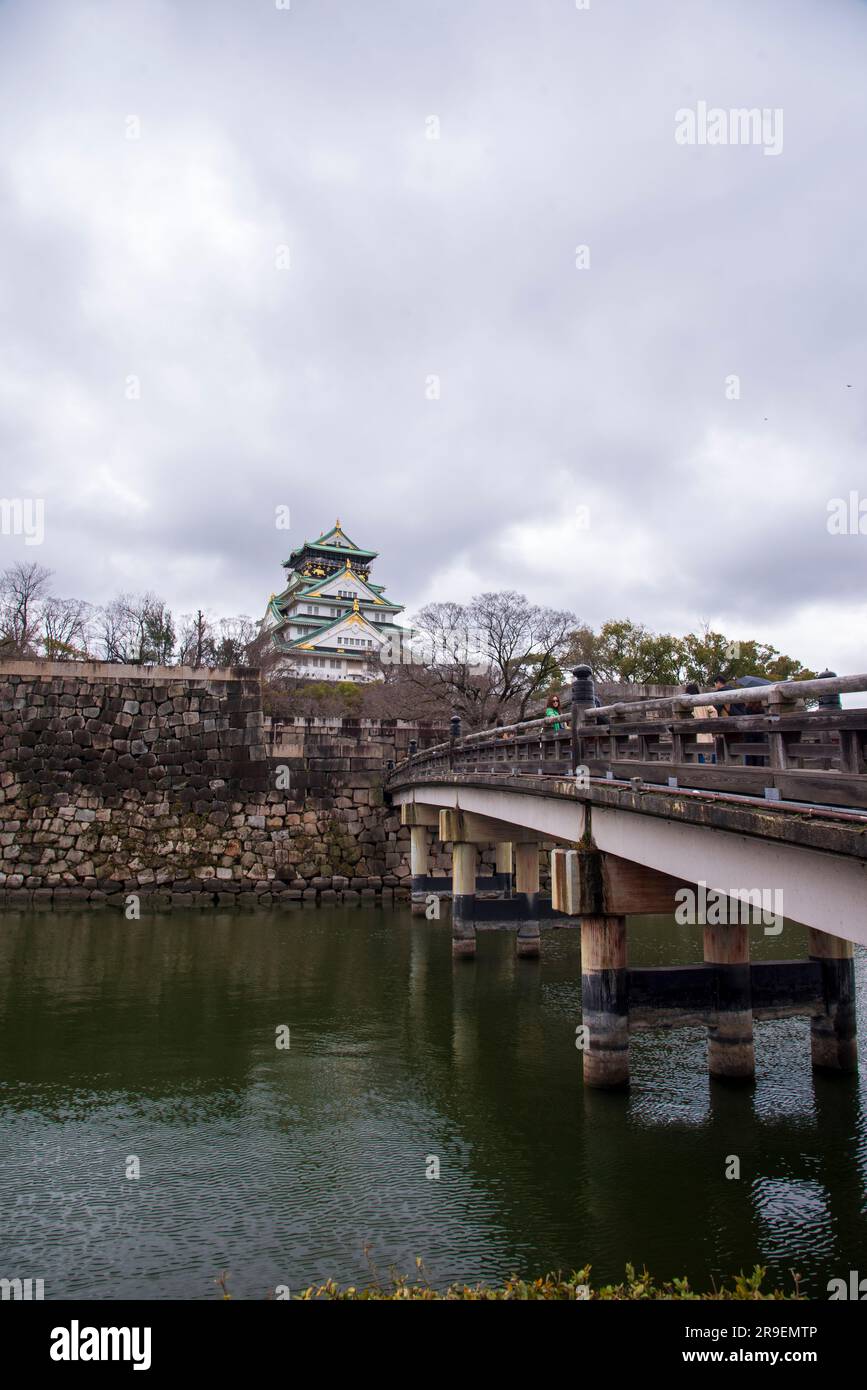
column 136, row 628
column 23, row 596
column 526, row 645
column 67, row 629
column 235, row 642
column 196, row 640
column 491, row 656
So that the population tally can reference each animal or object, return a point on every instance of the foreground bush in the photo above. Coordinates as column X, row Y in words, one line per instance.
column 554, row 1287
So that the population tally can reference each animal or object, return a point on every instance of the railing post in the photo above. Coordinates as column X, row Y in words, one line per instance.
column 583, row 697
column 848, row 760
column 677, row 753
column 778, row 751
column 831, row 700
column 454, row 735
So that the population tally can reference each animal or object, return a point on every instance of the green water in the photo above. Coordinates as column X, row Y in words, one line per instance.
column 157, row 1040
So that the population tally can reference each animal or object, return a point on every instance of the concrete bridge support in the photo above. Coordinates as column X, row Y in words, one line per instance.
column 527, row 893
column 463, row 830
column 635, row 851
column 463, row 900
column 730, row 1051
column 833, row 1041
column 605, row 1001
column 419, row 864
column 422, row 821
column 503, row 866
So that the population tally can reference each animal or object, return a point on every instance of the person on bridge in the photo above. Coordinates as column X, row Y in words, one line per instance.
column 703, row 712
column 553, row 712
column 736, row 708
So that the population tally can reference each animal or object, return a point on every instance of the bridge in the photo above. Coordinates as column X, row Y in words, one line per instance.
column 745, row 818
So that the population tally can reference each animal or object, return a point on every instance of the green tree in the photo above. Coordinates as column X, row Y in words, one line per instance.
column 623, row 650
column 159, row 633
column 709, row 653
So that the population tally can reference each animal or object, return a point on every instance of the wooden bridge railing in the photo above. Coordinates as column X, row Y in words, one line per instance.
column 797, row 743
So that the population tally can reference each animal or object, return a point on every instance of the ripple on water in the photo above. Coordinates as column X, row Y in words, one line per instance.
column 283, row 1167
column 793, row 1213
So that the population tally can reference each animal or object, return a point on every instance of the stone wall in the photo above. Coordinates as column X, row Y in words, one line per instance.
column 169, row 783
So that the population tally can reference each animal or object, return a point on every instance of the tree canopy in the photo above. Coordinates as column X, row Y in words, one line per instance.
column 496, row 656
column 622, row 650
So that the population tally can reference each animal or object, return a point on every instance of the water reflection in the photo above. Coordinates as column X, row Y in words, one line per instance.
column 158, row 1039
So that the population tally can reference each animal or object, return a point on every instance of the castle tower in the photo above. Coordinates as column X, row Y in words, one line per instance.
column 330, row 622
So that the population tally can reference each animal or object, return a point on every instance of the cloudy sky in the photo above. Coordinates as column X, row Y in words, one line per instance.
column 234, row 259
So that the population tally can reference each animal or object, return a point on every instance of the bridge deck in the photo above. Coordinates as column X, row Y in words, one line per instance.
column 835, row 830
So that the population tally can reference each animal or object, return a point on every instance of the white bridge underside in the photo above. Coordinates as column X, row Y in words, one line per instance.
column 825, row 891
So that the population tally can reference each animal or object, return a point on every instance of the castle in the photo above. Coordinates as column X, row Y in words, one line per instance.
column 330, row 622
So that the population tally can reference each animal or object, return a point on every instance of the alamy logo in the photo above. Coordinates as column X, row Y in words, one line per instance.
column 856, row 1288
column 23, row 516
column 453, row 647
column 740, row 906
column 847, row 516
column 77, row 1343
column 26, row 1289
column 738, row 126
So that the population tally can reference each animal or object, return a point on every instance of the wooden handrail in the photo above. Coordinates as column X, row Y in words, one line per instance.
column 786, row 744
column 741, row 695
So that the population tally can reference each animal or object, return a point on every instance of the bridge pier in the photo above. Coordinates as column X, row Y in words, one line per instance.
column 730, row 1051
column 420, row 819
column 503, row 866
column 463, row 899
column 833, row 1041
column 605, row 1001
column 527, row 893
column 419, row 865
column 653, row 841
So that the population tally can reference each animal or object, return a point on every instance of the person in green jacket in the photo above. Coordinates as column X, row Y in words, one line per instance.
column 553, row 712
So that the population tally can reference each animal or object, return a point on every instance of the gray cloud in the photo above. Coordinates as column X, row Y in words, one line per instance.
column 560, row 387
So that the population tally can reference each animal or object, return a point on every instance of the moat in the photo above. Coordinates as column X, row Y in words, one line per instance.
column 156, row 1040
